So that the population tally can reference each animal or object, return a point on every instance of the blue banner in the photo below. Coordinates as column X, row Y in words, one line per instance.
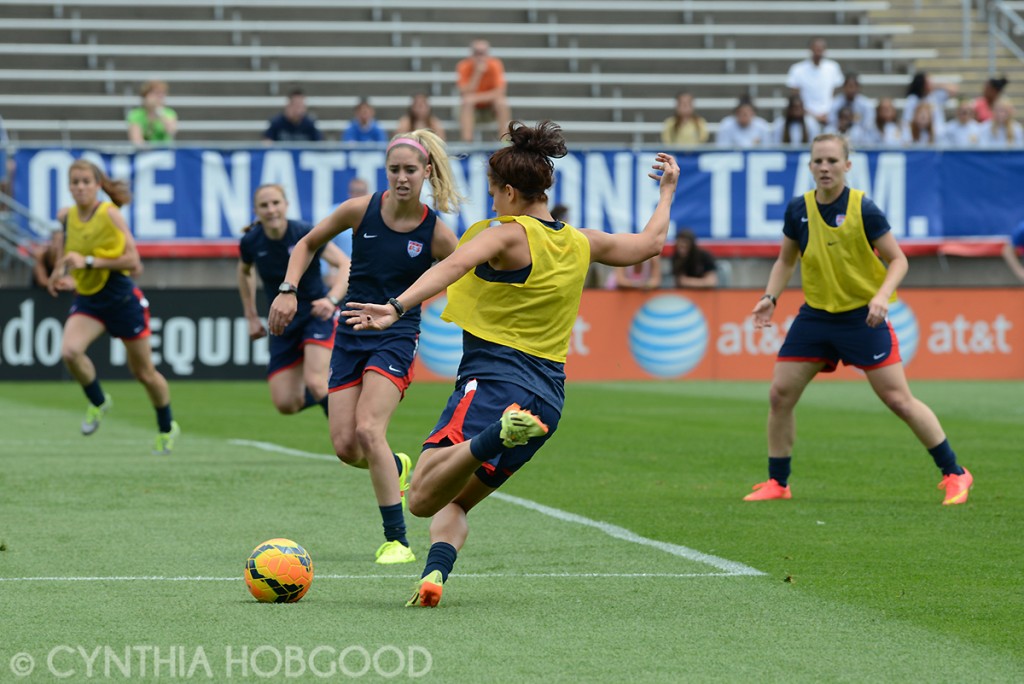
column 195, row 194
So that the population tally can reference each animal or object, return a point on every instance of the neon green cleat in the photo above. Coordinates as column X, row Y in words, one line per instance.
column 518, row 426
column 94, row 414
column 428, row 591
column 164, row 444
column 394, row 552
column 404, row 477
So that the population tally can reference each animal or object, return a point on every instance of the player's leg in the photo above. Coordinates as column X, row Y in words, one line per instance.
column 79, row 332
column 287, row 390
column 341, row 415
column 467, row 120
column 140, row 363
column 448, row 532
column 315, row 369
column 890, row 384
column 789, row 380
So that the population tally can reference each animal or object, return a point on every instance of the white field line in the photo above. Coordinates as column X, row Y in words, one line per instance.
column 404, row 578
column 727, row 567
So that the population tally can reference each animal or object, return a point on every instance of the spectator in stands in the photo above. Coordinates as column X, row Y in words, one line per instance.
column 1013, row 250
column 643, row 276
column 44, row 259
column 1001, row 131
column 294, row 123
column 364, row 126
column 850, row 96
column 481, row 82
column 963, row 131
column 884, row 130
column 815, row 79
column 692, row 267
column 300, row 355
column 99, row 253
column 795, row 126
column 685, row 127
column 833, row 232
column 420, row 115
column 921, row 129
column 153, row 122
column 923, row 88
column 990, row 92
column 560, row 212
column 743, row 128
column 844, row 124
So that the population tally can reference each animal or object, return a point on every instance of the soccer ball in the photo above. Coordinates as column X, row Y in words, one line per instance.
column 278, row 571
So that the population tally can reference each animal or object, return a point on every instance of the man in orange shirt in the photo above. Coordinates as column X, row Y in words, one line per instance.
column 482, row 85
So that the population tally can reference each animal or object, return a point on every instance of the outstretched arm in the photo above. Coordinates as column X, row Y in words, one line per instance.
column 626, row 249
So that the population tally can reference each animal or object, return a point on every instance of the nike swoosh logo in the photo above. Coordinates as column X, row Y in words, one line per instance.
column 878, row 356
column 369, row 237
column 319, row 337
column 261, row 254
column 803, row 220
column 393, row 369
column 832, row 243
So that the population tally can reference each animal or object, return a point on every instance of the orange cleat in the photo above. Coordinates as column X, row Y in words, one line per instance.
column 763, row 491
column 956, row 487
column 428, row 591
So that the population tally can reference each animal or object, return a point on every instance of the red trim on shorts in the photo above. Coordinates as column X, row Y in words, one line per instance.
column 357, row 381
column 402, row 383
column 453, row 430
column 291, row 365
column 830, row 367
column 145, row 317
column 894, row 355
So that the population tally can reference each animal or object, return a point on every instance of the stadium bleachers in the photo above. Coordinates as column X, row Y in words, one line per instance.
column 607, row 71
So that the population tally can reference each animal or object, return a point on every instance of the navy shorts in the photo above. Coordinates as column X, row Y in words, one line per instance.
column 818, row 335
column 355, row 355
column 120, row 306
column 477, row 404
column 286, row 349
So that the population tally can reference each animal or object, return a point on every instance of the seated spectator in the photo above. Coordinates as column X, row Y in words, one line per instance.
column 692, row 267
column 844, row 124
column 684, row 127
column 815, row 80
column 743, row 128
column 481, row 83
column 44, row 259
column 642, row 276
column 420, row 115
column 1012, row 251
column 990, row 92
column 153, row 122
column 922, row 88
column 850, row 96
column 795, row 126
column 560, row 212
column 1001, row 131
column 364, row 127
column 963, row 131
column 922, row 128
column 884, row 130
column 294, row 123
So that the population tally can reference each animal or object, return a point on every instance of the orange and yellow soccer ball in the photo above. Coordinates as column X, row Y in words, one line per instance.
column 278, row 571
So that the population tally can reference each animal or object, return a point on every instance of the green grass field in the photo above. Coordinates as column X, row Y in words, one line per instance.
column 623, row 553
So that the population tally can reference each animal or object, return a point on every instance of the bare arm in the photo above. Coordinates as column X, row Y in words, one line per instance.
column 782, row 271
column 135, row 134
column 128, row 260
column 626, row 249
column 889, row 249
column 1010, row 256
column 247, row 292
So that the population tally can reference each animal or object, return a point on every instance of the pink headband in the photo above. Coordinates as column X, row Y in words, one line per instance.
column 411, row 142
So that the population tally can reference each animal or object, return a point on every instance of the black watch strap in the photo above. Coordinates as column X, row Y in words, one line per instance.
column 771, row 297
column 399, row 309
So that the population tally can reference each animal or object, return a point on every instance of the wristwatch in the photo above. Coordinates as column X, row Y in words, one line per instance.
column 89, row 261
column 334, row 300
column 287, row 288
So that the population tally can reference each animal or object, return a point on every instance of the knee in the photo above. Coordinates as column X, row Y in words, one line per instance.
column 287, row 407
column 346, row 450
column 781, row 398
column 70, row 355
column 367, row 436
column 147, row 375
column 419, row 505
column 900, row 403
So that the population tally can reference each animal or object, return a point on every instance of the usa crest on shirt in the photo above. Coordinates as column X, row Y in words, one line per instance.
column 414, row 248
column 839, row 219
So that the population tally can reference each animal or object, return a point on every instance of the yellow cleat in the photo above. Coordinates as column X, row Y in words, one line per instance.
column 404, row 477
column 428, row 591
column 519, row 426
column 165, row 440
column 394, row 552
column 94, row 414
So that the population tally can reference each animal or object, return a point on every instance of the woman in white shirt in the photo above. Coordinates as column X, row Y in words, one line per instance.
column 1002, row 132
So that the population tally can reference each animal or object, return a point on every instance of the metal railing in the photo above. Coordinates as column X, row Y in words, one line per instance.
column 19, row 230
column 1006, row 28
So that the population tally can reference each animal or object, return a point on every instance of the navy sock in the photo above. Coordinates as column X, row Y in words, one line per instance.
column 94, row 393
column 945, row 459
column 308, row 399
column 778, row 469
column 398, row 463
column 164, row 418
column 323, row 405
column 394, row 523
column 487, row 444
column 441, row 557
